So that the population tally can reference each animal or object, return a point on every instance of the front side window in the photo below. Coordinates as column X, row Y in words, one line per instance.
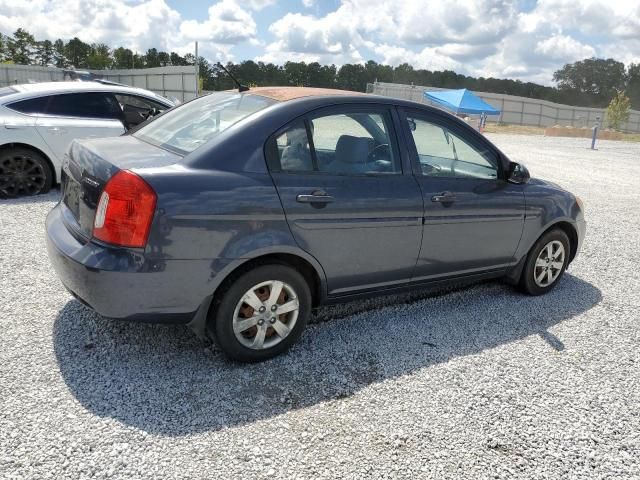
column 137, row 109
column 342, row 144
column 195, row 123
column 442, row 153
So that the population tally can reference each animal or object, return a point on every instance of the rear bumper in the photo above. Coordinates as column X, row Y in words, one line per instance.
column 126, row 284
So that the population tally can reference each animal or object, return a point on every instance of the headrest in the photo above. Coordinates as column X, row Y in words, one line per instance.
column 352, row 149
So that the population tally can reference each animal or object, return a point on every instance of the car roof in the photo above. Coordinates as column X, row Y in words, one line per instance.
column 26, row 90
column 283, row 94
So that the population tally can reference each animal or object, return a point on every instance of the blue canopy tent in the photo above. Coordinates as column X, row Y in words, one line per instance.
column 461, row 101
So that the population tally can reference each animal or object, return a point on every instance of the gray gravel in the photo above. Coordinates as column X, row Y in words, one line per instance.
column 478, row 383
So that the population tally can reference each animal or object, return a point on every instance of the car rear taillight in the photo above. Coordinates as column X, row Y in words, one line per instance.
column 125, row 211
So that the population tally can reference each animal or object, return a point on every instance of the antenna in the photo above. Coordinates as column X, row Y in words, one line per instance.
column 241, row 88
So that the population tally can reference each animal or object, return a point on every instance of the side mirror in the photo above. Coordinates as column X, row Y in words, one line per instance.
column 518, row 173
column 412, row 124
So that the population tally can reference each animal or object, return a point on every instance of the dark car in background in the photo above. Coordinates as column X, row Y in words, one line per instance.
column 239, row 212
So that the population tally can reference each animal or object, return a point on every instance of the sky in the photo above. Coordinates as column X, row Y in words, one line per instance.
column 520, row 39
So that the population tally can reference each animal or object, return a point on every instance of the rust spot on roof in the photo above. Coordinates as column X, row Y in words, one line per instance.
column 282, row 94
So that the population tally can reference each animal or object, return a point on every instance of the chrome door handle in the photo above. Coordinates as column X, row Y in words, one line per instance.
column 444, row 197
column 56, row 130
column 318, row 196
column 314, row 198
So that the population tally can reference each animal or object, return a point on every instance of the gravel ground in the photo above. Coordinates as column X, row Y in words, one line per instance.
column 478, row 383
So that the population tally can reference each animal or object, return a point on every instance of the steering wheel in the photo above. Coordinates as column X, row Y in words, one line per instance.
column 152, row 112
column 376, row 151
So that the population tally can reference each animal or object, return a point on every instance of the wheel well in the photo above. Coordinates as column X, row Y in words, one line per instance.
column 10, row 145
column 569, row 229
column 301, row 265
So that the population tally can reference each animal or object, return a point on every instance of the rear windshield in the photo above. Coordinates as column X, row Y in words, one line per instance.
column 190, row 125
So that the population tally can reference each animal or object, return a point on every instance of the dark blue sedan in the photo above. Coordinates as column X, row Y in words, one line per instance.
column 239, row 212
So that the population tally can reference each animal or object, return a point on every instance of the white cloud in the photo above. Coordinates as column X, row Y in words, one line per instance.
column 114, row 22
column 306, row 37
column 476, row 37
column 139, row 26
column 227, row 24
column 428, row 58
column 565, row 48
column 259, row 4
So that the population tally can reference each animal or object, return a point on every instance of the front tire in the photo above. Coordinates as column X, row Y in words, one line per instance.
column 23, row 172
column 546, row 262
column 262, row 313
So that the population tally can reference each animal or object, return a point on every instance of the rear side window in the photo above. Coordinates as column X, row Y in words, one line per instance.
column 350, row 143
column 85, row 105
column 31, row 105
column 294, row 152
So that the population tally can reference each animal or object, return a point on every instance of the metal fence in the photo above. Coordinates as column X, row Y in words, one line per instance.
column 178, row 82
column 515, row 110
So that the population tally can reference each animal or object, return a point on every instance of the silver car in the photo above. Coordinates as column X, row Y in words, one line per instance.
column 38, row 122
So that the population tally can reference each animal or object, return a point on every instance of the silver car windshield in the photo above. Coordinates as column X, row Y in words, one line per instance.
column 193, row 124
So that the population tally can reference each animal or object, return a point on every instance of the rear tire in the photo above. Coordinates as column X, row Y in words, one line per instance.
column 261, row 313
column 23, row 172
column 546, row 263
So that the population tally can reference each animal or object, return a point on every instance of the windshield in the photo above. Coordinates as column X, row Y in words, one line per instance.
column 187, row 127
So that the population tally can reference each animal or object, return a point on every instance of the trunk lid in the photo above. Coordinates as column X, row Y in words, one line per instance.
column 90, row 164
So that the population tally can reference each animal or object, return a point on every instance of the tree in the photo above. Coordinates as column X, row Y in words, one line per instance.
column 321, row 75
column 296, row 74
column 3, row 47
column 99, row 57
column 59, row 59
column 352, row 77
column 205, row 74
column 618, row 110
column 151, row 58
column 177, row 60
column 21, row 47
column 633, row 84
column 597, row 77
column 189, row 59
column 590, row 82
column 164, row 59
column 44, row 52
column 122, row 58
column 77, row 52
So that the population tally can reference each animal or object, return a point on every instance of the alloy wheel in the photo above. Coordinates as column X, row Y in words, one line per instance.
column 20, row 175
column 549, row 263
column 265, row 315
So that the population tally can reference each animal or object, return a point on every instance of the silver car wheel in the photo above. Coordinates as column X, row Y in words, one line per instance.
column 265, row 315
column 549, row 263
